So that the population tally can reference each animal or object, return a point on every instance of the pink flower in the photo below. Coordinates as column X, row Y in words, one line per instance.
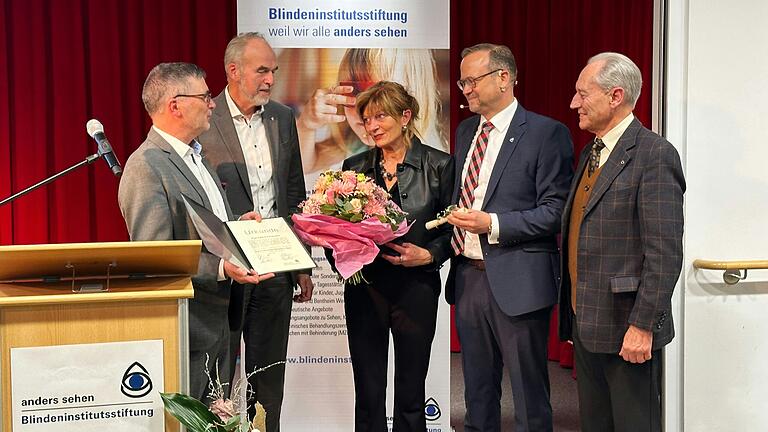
column 343, row 187
column 366, row 188
column 349, row 176
column 374, row 208
column 223, row 408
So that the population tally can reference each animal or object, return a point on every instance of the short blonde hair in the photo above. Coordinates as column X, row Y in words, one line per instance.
column 393, row 99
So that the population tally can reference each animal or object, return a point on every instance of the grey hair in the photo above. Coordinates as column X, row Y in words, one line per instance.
column 500, row 56
column 619, row 71
column 236, row 46
column 167, row 78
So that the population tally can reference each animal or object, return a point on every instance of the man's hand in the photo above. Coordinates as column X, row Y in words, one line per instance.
column 251, row 215
column 637, row 345
column 321, row 108
column 410, row 255
column 244, row 276
column 474, row 221
column 306, row 286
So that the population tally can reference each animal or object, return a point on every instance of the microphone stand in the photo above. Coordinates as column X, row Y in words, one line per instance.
column 89, row 160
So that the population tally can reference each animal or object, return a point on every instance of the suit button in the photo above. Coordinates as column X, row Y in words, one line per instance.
column 400, row 167
column 404, row 195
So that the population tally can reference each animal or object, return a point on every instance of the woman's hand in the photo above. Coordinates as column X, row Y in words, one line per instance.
column 410, row 255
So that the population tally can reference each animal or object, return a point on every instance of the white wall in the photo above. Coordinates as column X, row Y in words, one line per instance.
column 717, row 116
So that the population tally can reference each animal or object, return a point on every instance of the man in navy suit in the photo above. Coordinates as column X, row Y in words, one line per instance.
column 514, row 169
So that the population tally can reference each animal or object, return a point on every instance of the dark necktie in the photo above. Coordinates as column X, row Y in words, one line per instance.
column 594, row 156
column 467, row 196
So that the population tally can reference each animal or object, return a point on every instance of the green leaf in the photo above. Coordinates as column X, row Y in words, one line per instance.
column 190, row 412
column 328, row 209
column 233, row 424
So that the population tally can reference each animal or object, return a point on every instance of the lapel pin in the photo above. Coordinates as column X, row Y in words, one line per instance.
column 512, row 139
column 272, row 118
column 622, row 162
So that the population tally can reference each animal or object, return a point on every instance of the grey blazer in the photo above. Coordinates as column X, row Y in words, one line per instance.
column 151, row 203
column 630, row 249
column 221, row 147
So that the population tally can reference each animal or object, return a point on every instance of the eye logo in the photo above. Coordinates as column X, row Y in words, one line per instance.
column 432, row 409
column 136, row 382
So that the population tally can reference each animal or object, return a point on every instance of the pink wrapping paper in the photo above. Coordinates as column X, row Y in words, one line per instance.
column 353, row 244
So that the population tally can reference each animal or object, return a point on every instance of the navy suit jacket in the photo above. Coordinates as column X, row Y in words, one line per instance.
column 527, row 190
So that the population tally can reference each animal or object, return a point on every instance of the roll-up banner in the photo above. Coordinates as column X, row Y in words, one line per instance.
column 320, row 46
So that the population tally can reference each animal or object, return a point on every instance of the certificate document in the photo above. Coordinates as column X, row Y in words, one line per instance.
column 269, row 246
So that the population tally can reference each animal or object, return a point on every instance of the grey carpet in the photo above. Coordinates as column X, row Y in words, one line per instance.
column 564, row 401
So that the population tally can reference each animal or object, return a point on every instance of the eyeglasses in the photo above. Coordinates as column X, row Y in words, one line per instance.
column 205, row 97
column 471, row 82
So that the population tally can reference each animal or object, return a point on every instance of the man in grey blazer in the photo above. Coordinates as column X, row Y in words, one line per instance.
column 515, row 167
column 622, row 252
column 254, row 148
column 166, row 165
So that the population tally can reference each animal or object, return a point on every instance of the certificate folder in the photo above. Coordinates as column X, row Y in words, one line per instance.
column 269, row 246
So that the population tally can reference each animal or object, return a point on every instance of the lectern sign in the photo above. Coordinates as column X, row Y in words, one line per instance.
column 92, row 387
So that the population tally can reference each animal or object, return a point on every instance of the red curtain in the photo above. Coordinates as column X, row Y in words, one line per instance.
column 66, row 61
column 551, row 41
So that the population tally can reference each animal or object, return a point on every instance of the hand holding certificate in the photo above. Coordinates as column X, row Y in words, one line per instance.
column 269, row 246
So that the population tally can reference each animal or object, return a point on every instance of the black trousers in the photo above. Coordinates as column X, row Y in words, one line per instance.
column 406, row 306
column 267, row 317
column 616, row 395
column 491, row 340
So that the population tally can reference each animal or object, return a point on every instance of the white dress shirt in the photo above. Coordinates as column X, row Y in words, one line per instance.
column 611, row 138
column 253, row 140
column 500, row 123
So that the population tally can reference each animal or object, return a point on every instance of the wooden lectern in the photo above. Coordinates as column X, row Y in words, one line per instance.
column 80, row 293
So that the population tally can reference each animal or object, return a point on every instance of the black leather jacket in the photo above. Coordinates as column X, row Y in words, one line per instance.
column 425, row 180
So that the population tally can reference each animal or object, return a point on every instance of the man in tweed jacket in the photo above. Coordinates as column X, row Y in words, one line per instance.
column 622, row 252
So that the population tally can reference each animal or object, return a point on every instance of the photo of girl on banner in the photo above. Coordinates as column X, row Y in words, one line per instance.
column 329, row 128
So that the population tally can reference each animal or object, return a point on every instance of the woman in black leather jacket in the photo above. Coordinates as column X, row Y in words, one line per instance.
column 403, row 282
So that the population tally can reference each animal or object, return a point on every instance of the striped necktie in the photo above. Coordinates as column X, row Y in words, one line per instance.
column 467, row 196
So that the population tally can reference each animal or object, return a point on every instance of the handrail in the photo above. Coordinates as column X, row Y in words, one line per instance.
column 731, row 269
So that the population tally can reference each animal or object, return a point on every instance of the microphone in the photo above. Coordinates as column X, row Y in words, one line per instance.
column 96, row 131
column 462, row 106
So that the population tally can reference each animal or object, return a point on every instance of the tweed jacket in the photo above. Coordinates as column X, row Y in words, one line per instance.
column 630, row 244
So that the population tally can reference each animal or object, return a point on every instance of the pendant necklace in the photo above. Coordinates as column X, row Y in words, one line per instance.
column 384, row 173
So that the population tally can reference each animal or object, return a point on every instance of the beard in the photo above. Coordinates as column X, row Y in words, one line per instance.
column 255, row 99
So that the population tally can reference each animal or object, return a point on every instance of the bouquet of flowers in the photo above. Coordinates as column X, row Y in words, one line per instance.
column 349, row 214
